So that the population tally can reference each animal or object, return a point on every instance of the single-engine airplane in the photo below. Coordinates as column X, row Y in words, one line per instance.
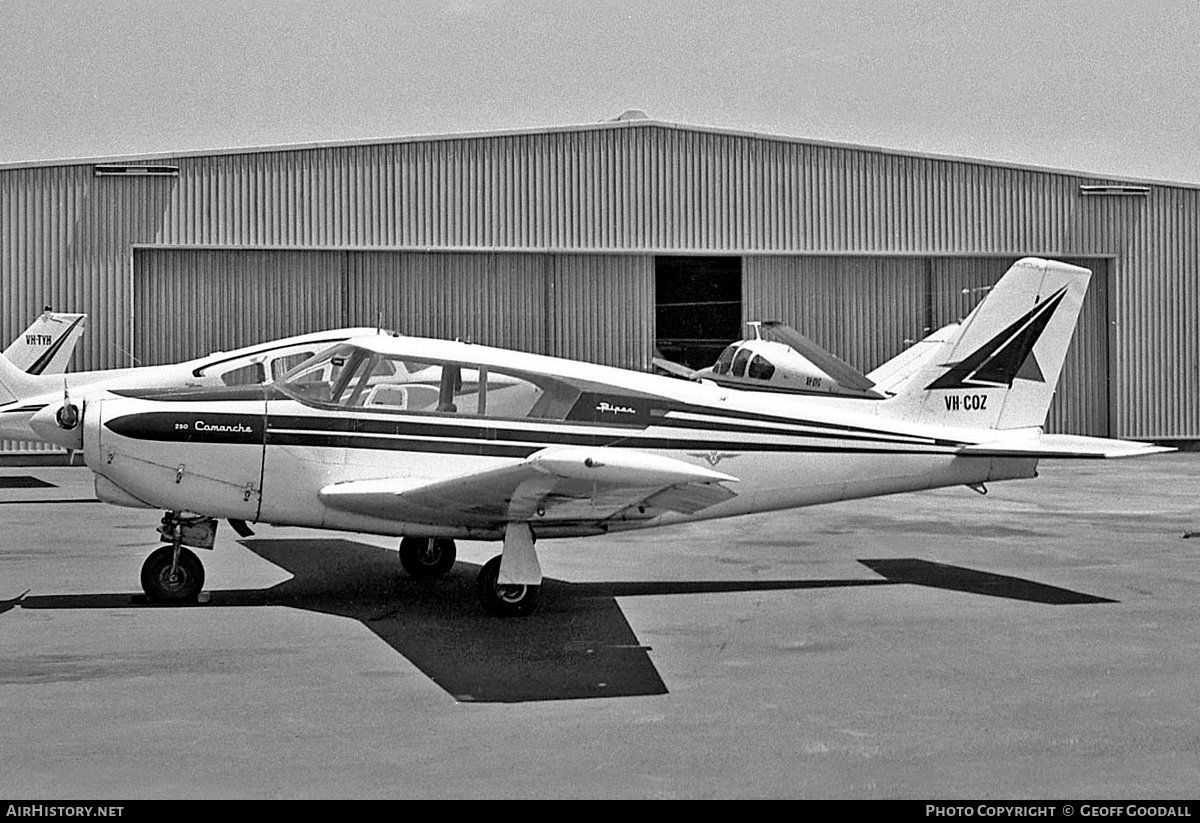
column 22, row 394
column 432, row 440
column 47, row 345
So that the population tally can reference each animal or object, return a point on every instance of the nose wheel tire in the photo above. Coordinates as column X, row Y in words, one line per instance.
column 166, row 581
column 504, row 600
column 427, row 558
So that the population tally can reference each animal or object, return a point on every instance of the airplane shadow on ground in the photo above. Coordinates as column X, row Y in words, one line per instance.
column 577, row 645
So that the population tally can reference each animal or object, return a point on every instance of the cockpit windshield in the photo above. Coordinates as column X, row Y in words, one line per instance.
column 349, row 376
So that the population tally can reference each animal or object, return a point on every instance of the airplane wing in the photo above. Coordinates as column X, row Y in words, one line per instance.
column 554, row 485
column 1063, row 446
column 837, row 368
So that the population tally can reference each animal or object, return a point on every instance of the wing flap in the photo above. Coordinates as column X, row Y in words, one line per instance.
column 556, row 484
column 689, row 499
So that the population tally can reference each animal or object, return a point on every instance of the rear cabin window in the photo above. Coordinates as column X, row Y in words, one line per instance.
column 249, row 375
column 760, row 368
column 282, row 365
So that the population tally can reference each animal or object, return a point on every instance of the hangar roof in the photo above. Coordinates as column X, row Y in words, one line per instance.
column 627, row 120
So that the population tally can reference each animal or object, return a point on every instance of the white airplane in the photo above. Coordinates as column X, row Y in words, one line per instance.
column 793, row 363
column 47, row 345
column 432, row 441
column 22, row 394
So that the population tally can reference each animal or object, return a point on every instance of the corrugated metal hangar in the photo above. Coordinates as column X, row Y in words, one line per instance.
column 606, row 242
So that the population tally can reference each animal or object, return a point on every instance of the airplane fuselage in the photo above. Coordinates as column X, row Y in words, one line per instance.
column 255, row 454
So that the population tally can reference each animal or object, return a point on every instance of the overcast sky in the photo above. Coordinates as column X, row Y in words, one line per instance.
column 1109, row 86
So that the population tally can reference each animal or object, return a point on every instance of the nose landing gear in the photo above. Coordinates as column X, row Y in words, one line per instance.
column 174, row 574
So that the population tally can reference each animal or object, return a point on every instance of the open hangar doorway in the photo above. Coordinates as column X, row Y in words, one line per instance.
column 697, row 307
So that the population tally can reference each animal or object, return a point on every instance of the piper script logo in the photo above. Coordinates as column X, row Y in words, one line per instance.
column 605, row 407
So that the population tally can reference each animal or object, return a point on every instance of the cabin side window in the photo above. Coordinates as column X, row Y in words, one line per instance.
column 248, row 375
column 282, row 365
column 739, row 362
column 376, row 382
column 760, row 368
column 725, row 360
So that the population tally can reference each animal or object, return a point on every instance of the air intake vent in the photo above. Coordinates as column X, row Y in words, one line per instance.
column 137, row 171
column 1114, row 191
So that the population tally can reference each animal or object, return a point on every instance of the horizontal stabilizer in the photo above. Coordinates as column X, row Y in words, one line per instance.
column 1070, row 446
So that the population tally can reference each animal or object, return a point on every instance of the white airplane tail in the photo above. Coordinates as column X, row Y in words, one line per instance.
column 47, row 345
column 16, row 385
column 998, row 369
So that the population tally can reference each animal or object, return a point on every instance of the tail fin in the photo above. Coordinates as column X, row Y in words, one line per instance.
column 47, row 345
column 1000, row 367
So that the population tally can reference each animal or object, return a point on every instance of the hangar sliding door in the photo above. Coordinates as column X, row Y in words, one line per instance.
column 189, row 302
column 495, row 299
column 599, row 308
column 865, row 310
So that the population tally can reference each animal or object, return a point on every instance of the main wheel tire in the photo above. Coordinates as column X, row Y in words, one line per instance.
column 427, row 558
column 162, row 585
column 504, row 600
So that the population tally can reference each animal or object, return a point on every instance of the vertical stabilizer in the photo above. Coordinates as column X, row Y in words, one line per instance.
column 1000, row 368
column 47, row 345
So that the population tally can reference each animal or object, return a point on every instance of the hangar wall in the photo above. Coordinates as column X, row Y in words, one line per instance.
column 588, row 199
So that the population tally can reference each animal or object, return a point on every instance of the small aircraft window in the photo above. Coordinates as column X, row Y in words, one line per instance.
column 760, row 368
column 282, row 365
column 248, row 375
column 723, row 362
column 739, row 362
column 314, row 379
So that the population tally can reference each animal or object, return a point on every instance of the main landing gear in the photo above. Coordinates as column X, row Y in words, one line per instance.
column 174, row 574
column 427, row 558
column 504, row 599
column 512, row 594
column 514, row 591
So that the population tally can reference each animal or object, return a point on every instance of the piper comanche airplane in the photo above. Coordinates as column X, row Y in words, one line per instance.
column 47, row 345
column 22, row 394
column 432, row 440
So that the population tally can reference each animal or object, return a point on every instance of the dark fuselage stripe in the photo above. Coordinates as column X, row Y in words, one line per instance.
column 493, row 448
column 575, row 432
